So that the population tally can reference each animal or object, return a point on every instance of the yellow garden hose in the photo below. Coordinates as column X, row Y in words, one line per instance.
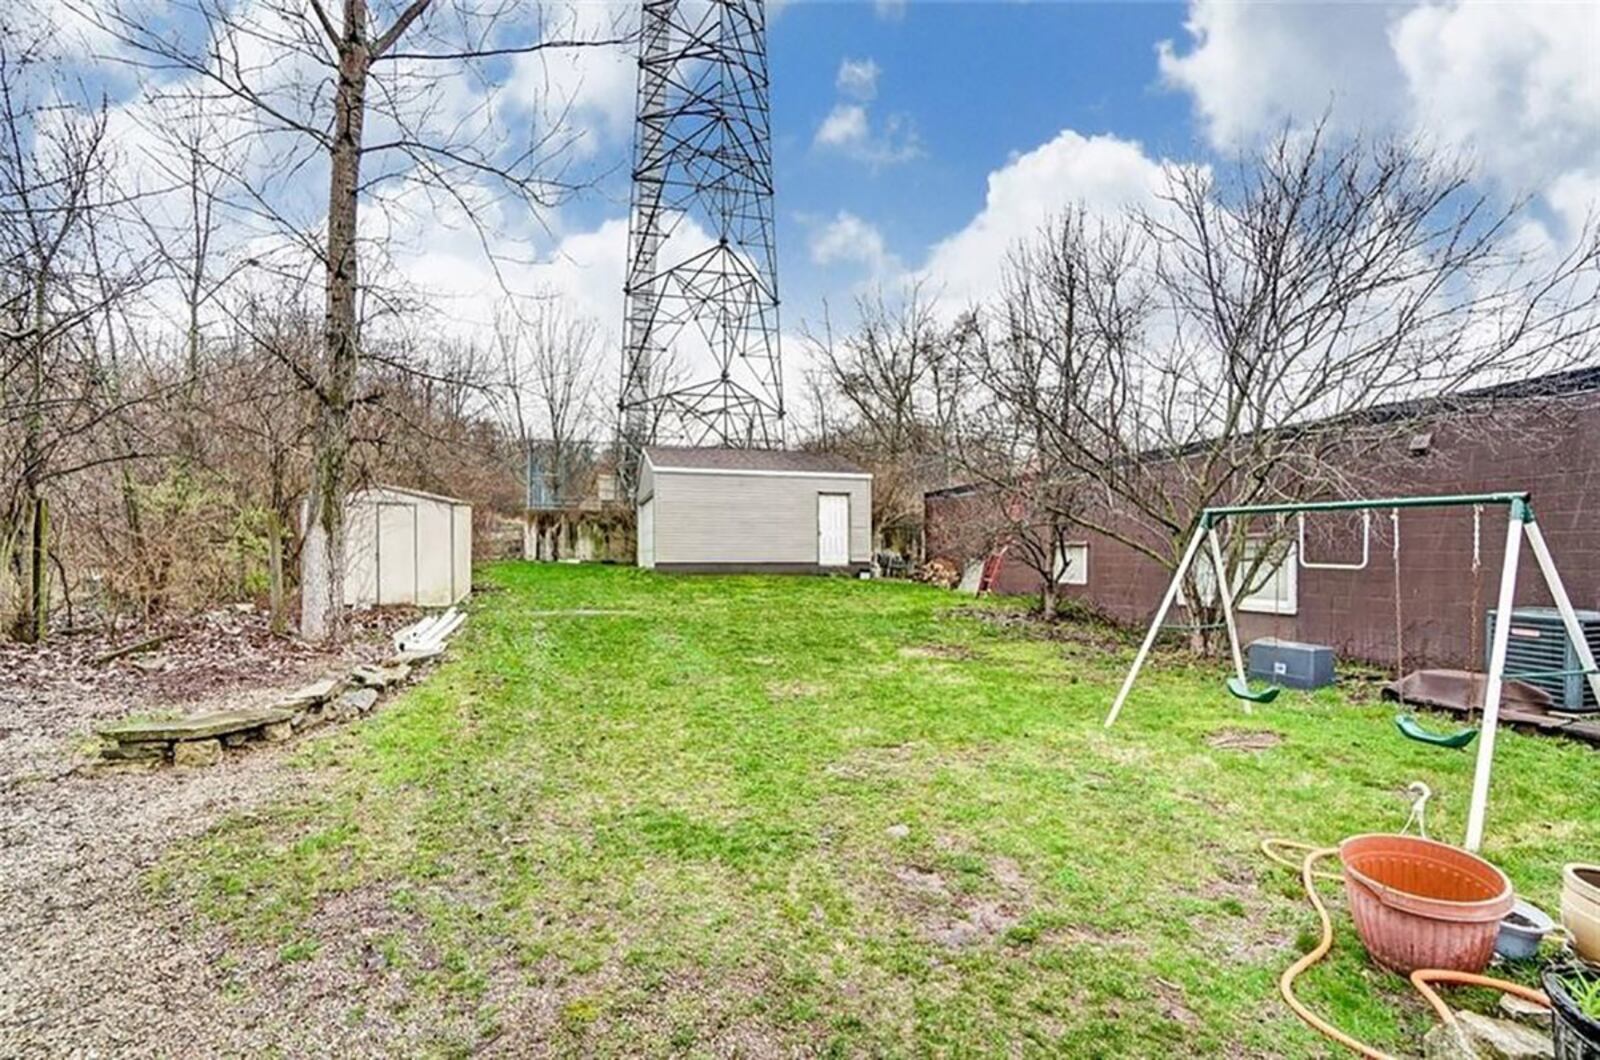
column 1422, row 979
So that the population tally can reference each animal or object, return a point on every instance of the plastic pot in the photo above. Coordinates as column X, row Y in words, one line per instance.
column 1418, row 903
column 1575, row 1036
column 1521, row 932
column 1580, row 908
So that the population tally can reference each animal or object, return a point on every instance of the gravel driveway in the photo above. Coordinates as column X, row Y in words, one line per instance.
column 90, row 964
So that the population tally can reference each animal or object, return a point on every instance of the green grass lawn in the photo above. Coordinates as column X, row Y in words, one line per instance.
column 764, row 816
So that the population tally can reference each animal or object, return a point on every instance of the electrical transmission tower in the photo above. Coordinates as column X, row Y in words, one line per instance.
column 701, row 361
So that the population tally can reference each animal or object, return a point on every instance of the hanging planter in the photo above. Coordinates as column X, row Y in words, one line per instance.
column 1423, row 904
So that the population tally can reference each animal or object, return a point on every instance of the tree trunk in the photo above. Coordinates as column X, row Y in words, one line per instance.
column 1051, row 597
column 322, row 571
column 32, row 622
column 278, row 620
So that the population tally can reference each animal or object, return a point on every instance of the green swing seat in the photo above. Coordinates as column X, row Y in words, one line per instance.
column 1242, row 690
column 1412, row 730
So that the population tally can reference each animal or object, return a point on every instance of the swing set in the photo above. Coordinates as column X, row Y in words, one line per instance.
column 1520, row 524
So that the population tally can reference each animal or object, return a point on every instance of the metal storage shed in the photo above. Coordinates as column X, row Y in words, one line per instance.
column 758, row 510
column 404, row 546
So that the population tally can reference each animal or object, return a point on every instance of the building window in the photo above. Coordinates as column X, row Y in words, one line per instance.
column 1072, row 564
column 1276, row 590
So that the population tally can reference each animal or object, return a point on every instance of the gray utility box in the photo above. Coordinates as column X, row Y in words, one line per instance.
column 1291, row 664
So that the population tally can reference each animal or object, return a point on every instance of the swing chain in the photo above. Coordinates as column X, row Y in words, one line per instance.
column 1399, row 631
column 1475, row 624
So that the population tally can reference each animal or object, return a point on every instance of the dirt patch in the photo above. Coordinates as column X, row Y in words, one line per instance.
column 982, row 921
column 957, row 918
column 1071, row 628
column 1173, row 1004
column 939, row 651
column 873, row 763
column 1088, row 935
column 1247, row 926
column 923, row 882
column 1244, row 739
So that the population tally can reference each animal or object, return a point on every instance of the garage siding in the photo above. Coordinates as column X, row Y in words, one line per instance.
column 751, row 519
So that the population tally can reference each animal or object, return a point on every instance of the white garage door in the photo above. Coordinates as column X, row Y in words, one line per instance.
column 647, row 533
column 833, row 529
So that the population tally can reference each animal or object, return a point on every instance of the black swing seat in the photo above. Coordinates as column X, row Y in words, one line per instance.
column 1411, row 729
column 1242, row 690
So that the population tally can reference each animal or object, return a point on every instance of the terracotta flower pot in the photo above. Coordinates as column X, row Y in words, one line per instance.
column 1421, row 904
column 1580, row 908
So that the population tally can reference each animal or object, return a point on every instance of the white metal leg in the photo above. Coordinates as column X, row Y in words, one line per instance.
column 1491, row 694
column 1155, row 626
column 1569, row 617
column 1225, row 596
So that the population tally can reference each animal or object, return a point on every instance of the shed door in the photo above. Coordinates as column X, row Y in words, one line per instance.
column 833, row 529
column 647, row 533
column 397, row 554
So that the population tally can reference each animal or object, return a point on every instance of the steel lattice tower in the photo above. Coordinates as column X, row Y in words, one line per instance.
column 701, row 361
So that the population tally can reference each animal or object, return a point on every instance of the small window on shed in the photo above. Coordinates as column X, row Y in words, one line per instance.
column 1421, row 443
column 606, row 486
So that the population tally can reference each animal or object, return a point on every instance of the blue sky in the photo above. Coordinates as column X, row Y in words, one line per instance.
column 920, row 141
column 982, row 119
column 976, row 83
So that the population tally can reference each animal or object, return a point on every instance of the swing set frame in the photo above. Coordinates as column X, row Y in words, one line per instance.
column 1520, row 524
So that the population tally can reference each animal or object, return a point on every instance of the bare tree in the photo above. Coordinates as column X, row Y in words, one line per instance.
column 183, row 222
column 269, row 417
column 1026, row 367
column 1238, row 342
column 893, row 387
column 549, row 399
column 312, row 81
column 54, row 283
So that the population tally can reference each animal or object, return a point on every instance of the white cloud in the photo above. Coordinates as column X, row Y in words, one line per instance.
column 1515, row 86
column 1254, row 67
column 845, row 126
column 851, row 240
column 858, row 78
column 849, row 129
column 889, row 10
column 593, row 88
column 1103, row 174
column 412, row 233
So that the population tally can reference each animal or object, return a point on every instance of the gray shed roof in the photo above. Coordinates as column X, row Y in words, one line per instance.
column 664, row 457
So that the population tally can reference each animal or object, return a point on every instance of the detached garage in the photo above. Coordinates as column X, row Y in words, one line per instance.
column 405, row 546
column 754, row 510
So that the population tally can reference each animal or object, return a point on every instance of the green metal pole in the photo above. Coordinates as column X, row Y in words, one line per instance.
column 1520, row 501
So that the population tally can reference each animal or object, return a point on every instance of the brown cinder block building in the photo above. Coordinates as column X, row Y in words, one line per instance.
column 1541, row 435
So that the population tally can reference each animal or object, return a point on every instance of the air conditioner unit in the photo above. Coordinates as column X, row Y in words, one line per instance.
column 1538, row 643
